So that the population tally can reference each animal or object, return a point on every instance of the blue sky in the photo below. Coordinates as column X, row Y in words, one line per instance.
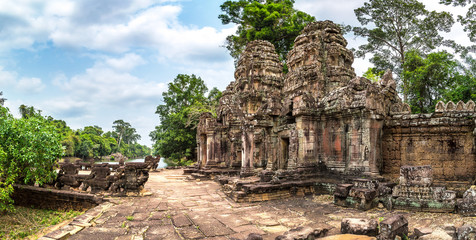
column 91, row 62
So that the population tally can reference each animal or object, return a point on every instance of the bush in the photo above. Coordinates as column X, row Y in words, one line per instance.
column 29, row 150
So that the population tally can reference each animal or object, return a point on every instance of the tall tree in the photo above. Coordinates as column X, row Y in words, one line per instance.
column 28, row 111
column 398, row 26
column 273, row 20
column 175, row 136
column 432, row 78
column 120, row 127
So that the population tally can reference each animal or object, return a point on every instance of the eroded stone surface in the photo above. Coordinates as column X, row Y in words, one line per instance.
column 320, row 119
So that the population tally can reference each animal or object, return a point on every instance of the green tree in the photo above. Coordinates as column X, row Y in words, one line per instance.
column 124, row 132
column 430, row 79
column 2, row 100
column 29, row 150
column 373, row 75
column 94, row 130
column 398, row 26
column 273, row 20
column 175, row 136
column 28, row 111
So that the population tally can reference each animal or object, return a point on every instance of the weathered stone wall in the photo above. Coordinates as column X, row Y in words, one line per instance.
column 53, row 199
column 445, row 140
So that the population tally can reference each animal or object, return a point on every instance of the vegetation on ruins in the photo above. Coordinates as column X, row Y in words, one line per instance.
column 400, row 26
column 29, row 149
column 273, row 20
column 183, row 103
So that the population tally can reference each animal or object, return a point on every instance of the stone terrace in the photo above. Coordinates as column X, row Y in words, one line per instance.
column 183, row 209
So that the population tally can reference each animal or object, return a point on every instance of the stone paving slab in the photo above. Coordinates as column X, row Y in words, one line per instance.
column 187, row 209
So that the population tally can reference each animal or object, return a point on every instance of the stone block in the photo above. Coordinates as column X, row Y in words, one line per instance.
column 418, row 232
column 396, row 225
column 342, row 190
column 416, row 175
column 303, row 232
column 466, row 232
column 437, row 234
column 362, row 193
column 359, row 226
column 365, row 183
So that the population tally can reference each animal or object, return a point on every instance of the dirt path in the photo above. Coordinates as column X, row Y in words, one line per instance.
column 182, row 209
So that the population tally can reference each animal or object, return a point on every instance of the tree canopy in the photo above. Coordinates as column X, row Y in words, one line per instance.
column 273, row 20
column 183, row 103
column 396, row 27
column 469, row 20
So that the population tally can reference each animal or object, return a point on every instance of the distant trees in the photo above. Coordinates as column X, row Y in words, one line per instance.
column 183, row 103
column 273, row 20
column 29, row 150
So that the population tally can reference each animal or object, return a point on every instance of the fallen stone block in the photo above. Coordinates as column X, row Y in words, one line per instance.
column 437, row 234
column 254, row 236
column 303, row 232
column 419, row 232
column 466, row 232
column 342, row 190
column 396, row 225
column 359, row 226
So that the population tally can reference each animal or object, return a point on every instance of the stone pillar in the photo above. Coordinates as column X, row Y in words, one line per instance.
column 210, row 151
column 247, row 141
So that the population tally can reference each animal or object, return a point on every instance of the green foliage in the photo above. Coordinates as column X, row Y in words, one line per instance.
column 436, row 77
column 29, row 150
column 273, row 20
column 125, row 132
column 2, row 100
column 398, row 26
column 373, row 75
column 28, row 111
column 179, row 115
column 469, row 20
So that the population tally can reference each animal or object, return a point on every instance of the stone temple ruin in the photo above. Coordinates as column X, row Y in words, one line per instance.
column 319, row 125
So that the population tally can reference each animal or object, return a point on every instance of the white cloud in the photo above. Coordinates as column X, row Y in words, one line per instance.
column 107, row 85
column 29, row 85
column 109, row 26
column 25, row 84
column 126, row 63
column 7, row 78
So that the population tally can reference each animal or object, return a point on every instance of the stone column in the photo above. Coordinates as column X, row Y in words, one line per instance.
column 247, row 140
column 210, row 151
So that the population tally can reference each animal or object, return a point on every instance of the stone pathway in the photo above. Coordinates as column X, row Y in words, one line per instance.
column 183, row 209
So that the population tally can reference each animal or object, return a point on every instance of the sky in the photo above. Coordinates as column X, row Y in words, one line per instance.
column 91, row 62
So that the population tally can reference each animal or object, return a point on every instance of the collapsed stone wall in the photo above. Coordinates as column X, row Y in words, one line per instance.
column 444, row 139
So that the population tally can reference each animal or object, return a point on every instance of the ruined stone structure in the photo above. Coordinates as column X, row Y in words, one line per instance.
column 319, row 117
column 116, row 178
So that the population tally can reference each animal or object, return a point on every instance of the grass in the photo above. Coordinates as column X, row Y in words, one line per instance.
column 25, row 221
